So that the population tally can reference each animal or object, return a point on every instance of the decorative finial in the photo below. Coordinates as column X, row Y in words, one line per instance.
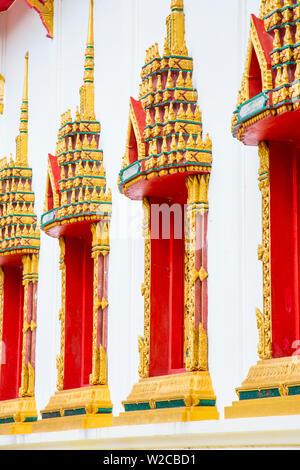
column 22, row 138
column 87, row 90
column 25, row 94
column 176, row 27
column 90, row 38
column 177, row 5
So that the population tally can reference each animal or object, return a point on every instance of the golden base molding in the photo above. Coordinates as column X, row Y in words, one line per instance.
column 272, row 388
column 179, row 397
column 17, row 416
column 275, row 406
column 82, row 403
column 15, row 428
column 169, row 415
column 21, row 428
column 19, row 410
column 70, row 423
column 5, row 429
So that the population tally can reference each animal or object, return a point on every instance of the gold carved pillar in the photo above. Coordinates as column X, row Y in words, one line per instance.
column 30, row 279
column 264, row 319
column 144, row 343
column 195, row 337
column 100, row 254
column 60, row 359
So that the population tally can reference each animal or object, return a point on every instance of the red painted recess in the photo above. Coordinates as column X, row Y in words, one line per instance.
column 265, row 39
column 141, row 123
column 140, row 116
column 55, row 170
column 281, row 128
column 282, row 134
column 75, row 229
column 285, row 238
column 79, row 311
column 167, row 288
column 11, row 260
column 168, row 186
column 255, row 81
column 11, row 356
column 5, row 4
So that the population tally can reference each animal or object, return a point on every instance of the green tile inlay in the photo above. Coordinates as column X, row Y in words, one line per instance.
column 7, row 420
column 207, row 403
column 137, row 406
column 53, row 414
column 254, row 394
column 166, row 404
column 294, row 390
column 105, row 410
column 75, row 412
column 170, row 404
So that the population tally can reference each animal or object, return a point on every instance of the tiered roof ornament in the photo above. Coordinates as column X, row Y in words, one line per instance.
column 19, row 228
column 271, row 81
column 167, row 121
column 77, row 185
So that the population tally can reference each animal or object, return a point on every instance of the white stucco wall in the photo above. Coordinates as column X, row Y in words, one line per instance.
column 216, row 34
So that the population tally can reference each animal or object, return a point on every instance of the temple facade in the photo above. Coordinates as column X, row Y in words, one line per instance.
column 149, row 224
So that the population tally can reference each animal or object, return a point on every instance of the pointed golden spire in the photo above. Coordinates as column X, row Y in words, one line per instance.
column 176, row 27
column 90, row 37
column 22, row 138
column 87, row 94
